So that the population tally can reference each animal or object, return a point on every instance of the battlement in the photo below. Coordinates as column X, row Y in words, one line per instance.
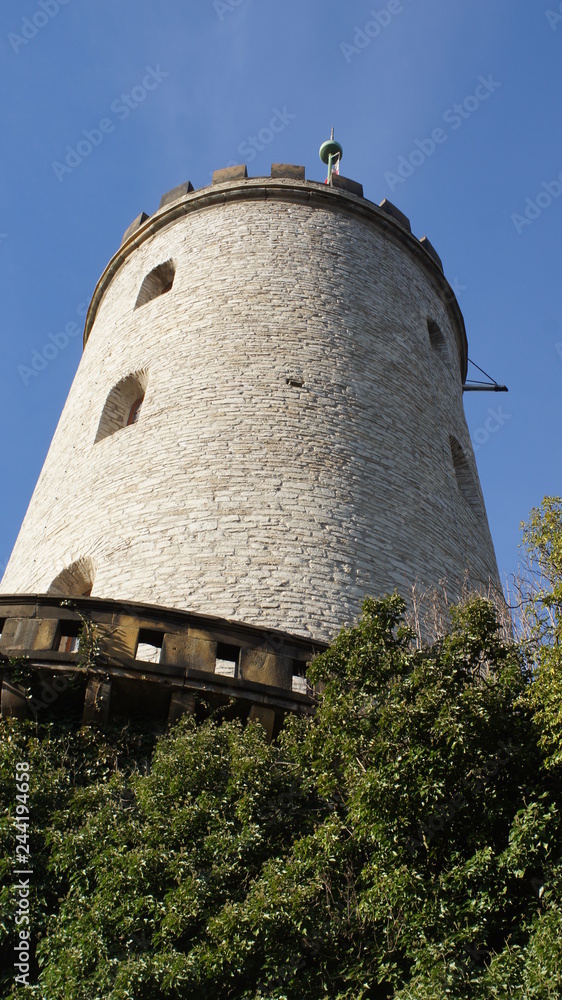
column 279, row 171
column 287, row 182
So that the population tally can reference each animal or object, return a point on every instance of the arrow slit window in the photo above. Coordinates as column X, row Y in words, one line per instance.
column 157, row 282
column 437, row 341
column 465, row 477
column 123, row 404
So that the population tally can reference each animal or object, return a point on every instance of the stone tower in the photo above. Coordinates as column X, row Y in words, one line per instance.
column 266, row 424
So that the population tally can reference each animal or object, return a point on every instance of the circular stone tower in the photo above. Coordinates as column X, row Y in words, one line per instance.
column 267, row 423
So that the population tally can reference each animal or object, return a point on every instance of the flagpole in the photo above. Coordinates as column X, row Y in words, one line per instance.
column 331, row 159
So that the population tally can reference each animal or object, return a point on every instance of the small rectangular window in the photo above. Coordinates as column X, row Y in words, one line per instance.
column 300, row 683
column 69, row 637
column 149, row 645
column 227, row 660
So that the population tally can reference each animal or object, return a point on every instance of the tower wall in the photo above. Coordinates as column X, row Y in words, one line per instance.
column 293, row 451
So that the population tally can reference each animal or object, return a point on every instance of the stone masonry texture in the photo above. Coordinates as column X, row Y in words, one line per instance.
column 292, row 453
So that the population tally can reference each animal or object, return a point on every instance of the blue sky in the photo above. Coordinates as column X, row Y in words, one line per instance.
column 218, row 72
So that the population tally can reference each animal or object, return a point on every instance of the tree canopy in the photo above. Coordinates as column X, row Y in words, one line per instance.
column 403, row 844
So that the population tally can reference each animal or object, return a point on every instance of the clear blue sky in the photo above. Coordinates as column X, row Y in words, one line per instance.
column 219, row 72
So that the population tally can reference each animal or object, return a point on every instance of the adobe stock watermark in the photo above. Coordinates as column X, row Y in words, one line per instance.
column 55, row 343
column 254, row 144
column 363, row 37
column 3, row 236
column 558, row 348
column 23, row 871
column 121, row 107
column 553, row 17
column 31, row 26
column 535, row 207
column 493, row 423
column 454, row 116
column 224, row 7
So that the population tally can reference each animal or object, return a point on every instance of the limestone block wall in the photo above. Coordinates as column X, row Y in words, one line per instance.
column 302, row 440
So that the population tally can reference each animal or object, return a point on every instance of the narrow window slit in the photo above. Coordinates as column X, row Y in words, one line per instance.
column 437, row 340
column 465, row 478
column 69, row 637
column 227, row 660
column 300, row 682
column 156, row 283
column 123, row 404
column 149, row 645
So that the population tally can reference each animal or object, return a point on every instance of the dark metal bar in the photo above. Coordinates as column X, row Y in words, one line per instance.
column 483, row 387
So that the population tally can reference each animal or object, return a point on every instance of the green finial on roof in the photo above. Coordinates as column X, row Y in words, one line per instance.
column 331, row 153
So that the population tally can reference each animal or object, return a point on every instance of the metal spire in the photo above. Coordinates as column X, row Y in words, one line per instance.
column 331, row 153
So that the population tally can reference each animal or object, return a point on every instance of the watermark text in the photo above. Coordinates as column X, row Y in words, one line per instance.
column 121, row 107
column 453, row 117
column 363, row 37
column 55, row 343
column 31, row 26
column 494, row 421
column 254, row 144
column 554, row 17
column 22, row 876
column 535, row 207
column 224, row 7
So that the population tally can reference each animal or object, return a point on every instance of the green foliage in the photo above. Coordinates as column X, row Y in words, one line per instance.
column 543, row 538
column 17, row 670
column 90, row 637
column 66, row 767
column 405, row 844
